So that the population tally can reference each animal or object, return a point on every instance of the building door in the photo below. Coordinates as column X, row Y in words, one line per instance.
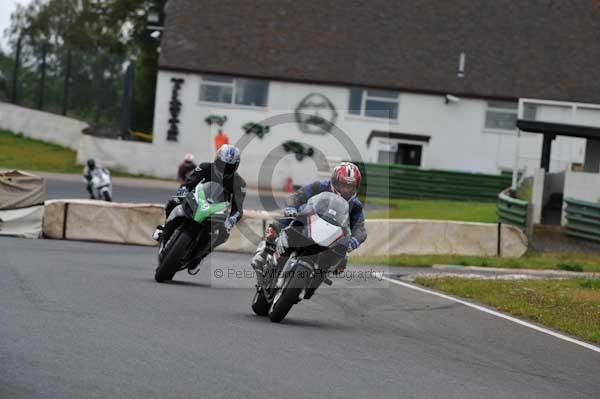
column 397, row 148
column 409, row 154
column 404, row 154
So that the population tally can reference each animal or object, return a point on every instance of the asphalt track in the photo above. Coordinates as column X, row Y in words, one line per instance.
column 87, row 320
column 136, row 191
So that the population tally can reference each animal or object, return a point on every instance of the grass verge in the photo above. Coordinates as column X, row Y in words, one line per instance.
column 572, row 305
column 573, row 261
column 464, row 211
column 18, row 152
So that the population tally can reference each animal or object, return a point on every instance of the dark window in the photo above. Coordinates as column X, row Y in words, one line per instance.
column 373, row 103
column 217, row 94
column 381, row 109
column 222, row 89
column 251, row 92
column 355, row 101
column 501, row 115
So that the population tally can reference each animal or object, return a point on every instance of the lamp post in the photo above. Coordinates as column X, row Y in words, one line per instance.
column 154, row 22
column 15, row 77
column 516, row 163
column 41, row 94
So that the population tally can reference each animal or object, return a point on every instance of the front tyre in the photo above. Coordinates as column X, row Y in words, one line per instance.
column 175, row 249
column 288, row 295
column 260, row 305
column 107, row 196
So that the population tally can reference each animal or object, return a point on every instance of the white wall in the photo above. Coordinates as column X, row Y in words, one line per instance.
column 458, row 140
column 130, row 156
column 41, row 125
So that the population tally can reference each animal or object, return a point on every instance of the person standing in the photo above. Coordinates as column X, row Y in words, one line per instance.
column 185, row 167
column 221, row 139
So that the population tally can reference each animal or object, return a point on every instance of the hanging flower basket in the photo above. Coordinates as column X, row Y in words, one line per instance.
column 256, row 128
column 299, row 149
column 215, row 119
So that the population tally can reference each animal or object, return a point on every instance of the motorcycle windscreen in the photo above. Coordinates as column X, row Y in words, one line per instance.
column 323, row 232
column 330, row 207
column 214, row 192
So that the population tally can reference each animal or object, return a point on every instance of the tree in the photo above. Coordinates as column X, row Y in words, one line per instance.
column 99, row 38
column 4, row 75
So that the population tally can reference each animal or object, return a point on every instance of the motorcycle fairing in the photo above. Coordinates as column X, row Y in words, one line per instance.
column 323, row 232
column 204, row 208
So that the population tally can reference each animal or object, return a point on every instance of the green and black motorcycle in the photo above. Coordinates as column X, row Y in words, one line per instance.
column 191, row 230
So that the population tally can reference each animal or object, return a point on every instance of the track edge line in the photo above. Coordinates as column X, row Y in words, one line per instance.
column 493, row 313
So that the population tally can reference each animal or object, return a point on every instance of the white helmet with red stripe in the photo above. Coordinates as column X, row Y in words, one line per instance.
column 345, row 180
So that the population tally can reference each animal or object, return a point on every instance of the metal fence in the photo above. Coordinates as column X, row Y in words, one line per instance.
column 512, row 211
column 583, row 219
column 400, row 181
column 93, row 87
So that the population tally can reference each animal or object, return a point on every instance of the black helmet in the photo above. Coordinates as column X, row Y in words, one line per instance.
column 91, row 163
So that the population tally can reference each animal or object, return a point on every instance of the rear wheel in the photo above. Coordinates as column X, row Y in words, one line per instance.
column 260, row 305
column 175, row 250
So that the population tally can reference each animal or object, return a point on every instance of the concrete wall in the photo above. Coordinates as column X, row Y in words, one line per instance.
column 537, row 196
column 131, row 156
column 458, row 138
column 41, row 125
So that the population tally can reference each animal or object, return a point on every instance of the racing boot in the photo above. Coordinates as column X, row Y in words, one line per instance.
column 157, row 235
column 259, row 259
column 265, row 248
column 341, row 267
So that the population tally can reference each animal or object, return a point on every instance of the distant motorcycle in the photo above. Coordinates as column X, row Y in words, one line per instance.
column 101, row 184
column 191, row 230
column 314, row 243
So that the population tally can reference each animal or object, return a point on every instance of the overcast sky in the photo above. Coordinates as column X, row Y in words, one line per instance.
column 6, row 8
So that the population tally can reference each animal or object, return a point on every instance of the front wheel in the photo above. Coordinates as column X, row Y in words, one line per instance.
column 260, row 305
column 288, row 295
column 175, row 249
column 107, row 196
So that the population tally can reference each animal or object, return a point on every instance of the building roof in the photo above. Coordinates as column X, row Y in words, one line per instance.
column 397, row 136
column 547, row 49
column 561, row 129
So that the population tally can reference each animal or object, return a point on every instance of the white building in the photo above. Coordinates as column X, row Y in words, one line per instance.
column 435, row 86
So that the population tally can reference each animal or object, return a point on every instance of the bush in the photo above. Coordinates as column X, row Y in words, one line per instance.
column 572, row 267
column 590, row 284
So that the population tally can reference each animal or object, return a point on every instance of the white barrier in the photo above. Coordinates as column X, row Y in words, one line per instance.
column 248, row 232
column 20, row 189
column 23, row 222
column 91, row 220
column 134, row 224
column 439, row 237
column 406, row 237
column 41, row 125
